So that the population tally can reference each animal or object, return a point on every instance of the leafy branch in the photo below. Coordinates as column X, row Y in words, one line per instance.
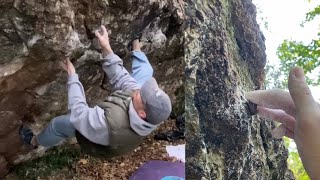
column 293, row 53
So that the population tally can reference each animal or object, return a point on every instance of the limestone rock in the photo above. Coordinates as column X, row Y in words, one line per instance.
column 225, row 57
column 35, row 35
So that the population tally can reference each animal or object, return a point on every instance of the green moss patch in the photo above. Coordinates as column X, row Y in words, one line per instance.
column 55, row 159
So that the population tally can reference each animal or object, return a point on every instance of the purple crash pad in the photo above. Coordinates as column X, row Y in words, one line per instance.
column 160, row 170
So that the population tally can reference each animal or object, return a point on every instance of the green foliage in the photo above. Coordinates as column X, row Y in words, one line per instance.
column 294, row 161
column 275, row 78
column 312, row 14
column 296, row 166
column 287, row 142
column 293, row 53
column 56, row 159
column 296, row 53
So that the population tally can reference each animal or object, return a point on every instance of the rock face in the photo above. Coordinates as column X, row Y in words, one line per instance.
column 35, row 35
column 225, row 57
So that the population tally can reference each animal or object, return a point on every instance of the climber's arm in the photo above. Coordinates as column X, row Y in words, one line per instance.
column 117, row 75
column 112, row 65
column 90, row 122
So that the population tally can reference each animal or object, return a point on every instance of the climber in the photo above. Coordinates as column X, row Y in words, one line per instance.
column 118, row 123
column 299, row 114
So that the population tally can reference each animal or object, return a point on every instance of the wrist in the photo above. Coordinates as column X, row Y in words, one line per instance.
column 73, row 78
column 71, row 73
column 106, row 51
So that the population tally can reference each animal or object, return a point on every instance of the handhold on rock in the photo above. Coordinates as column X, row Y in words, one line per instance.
column 252, row 108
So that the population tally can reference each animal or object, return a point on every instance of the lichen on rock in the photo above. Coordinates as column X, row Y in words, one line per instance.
column 225, row 57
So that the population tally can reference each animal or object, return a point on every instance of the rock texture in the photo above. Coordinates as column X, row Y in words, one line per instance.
column 35, row 35
column 225, row 57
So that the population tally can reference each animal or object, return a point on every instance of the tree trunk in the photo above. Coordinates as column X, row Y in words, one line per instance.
column 225, row 57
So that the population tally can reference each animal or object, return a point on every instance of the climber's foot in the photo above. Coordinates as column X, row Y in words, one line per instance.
column 136, row 46
column 26, row 136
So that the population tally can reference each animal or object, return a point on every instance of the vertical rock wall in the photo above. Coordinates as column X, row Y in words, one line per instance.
column 35, row 35
column 225, row 57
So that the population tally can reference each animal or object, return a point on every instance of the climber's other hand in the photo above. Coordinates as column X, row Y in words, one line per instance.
column 299, row 115
column 307, row 131
column 103, row 37
column 278, row 105
column 68, row 66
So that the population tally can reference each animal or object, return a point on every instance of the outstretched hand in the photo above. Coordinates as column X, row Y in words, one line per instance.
column 68, row 66
column 103, row 37
column 299, row 114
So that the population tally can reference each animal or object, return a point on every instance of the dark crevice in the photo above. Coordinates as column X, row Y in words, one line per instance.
column 263, row 138
column 16, row 39
column 173, row 27
column 16, row 29
column 265, row 149
column 89, row 33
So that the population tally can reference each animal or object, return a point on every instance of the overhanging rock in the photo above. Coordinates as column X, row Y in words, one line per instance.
column 35, row 35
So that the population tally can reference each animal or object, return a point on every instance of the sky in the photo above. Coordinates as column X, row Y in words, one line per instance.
column 283, row 19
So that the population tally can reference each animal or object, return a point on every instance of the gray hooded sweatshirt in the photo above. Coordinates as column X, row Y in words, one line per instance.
column 90, row 122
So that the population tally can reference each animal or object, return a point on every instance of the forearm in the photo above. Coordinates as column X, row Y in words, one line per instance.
column 106, row 51
column 313, row 171
column 117, row 75
column 90, row 122
column 311, row 163
column 76, row 95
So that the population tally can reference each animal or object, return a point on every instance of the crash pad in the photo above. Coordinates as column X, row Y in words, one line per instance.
column 160, row 170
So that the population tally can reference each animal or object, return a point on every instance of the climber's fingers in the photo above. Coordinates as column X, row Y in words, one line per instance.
column 281, row 131
column 104, row 30
column 68, row 62
column 307, row 122
column 272, row 99
column 301, row 94
column 277, row 115
column 63, row 65
column 98, row 35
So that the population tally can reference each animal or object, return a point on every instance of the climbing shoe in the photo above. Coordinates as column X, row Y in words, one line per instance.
column 26, row 135
column 135, row 36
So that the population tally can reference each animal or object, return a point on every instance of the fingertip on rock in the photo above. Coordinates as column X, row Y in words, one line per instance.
column 248, row 95
column 252, row 108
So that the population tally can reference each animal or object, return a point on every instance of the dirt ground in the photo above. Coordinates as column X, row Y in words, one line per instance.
column 86, row 167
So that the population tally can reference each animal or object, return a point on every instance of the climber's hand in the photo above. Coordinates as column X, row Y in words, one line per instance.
column 278, row 105
column 102, row 35
column 68, row 66
column 300, row 117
